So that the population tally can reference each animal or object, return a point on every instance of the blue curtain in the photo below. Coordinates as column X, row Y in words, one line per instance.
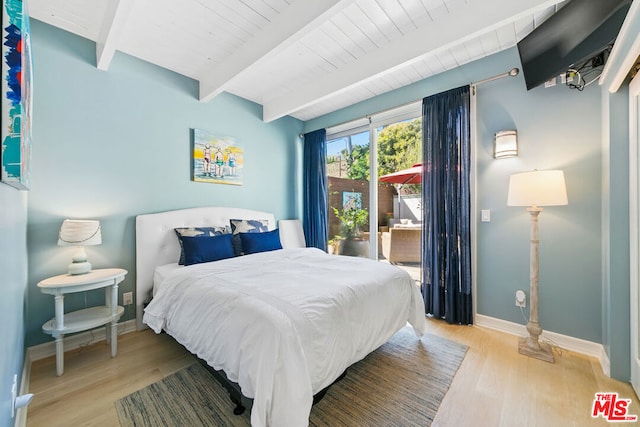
column 446, row 235
column 314, row 220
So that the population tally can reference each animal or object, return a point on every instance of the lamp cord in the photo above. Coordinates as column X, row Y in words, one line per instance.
column 120, row 327
column 546, row 339
column 92, row 339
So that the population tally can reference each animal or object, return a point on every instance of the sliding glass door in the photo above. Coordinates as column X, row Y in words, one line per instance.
column 366, row 206
column 347, row 170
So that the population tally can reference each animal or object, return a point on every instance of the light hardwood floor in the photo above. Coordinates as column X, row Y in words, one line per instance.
column 495, row 385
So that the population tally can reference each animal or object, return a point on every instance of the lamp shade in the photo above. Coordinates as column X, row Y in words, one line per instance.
column 505, row 144
column 78, row 232
column 537, row 188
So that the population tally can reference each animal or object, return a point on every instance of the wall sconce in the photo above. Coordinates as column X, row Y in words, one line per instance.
column 505, row 144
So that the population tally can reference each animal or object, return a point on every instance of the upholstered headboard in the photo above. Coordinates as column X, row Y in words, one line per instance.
column 157, row 244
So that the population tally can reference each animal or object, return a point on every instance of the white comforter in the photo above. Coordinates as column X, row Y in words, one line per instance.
column 285, row 324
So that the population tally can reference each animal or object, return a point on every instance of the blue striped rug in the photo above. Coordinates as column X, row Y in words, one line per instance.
column 402, row 383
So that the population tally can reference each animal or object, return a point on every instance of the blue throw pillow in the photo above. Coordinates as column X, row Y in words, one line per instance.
column 201, row 249
column 246, row 226
column 260, row 242
column 198, row 232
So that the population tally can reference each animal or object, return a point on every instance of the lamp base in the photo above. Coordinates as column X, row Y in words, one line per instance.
column 544, row 353
column 76, row 268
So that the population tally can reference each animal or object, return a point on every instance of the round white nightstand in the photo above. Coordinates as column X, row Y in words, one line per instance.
column 88, row 318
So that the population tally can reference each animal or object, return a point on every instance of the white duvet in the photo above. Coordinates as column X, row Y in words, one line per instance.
column 285, row 324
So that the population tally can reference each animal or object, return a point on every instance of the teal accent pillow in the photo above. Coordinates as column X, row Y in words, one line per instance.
column 201, row 249
column 198, row 232
column 260, row 242
column 246, row 226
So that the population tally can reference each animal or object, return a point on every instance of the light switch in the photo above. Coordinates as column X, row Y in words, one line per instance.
column 485, row 215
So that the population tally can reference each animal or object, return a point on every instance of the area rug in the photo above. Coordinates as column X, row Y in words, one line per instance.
column 402, row 383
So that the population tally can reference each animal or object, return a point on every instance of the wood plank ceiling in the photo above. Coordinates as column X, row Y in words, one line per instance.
column 302, row 58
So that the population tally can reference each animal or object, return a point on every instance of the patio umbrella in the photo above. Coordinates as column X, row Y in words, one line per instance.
column 412, row 175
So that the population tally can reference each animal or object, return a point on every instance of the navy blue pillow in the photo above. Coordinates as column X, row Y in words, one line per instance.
column 260, row 242
column 198, row 232
column 201, row 249
column 245, row 226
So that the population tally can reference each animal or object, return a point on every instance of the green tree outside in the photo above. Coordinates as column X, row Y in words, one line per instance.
column 399, row 147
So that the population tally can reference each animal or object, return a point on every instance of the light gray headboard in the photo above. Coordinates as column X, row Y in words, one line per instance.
column 157, row 244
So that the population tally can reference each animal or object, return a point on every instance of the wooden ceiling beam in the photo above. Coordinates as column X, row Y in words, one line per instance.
column 115, row 19
column 294, row 22
column 471, row 21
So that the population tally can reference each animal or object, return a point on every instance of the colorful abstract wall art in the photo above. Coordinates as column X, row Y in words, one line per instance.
column 351, row 200
column 216, row 159
column 16, row 95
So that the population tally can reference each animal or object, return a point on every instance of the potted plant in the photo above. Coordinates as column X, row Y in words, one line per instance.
column 333, row 245
column 352, row 222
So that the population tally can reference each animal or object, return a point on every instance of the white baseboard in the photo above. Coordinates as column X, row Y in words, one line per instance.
column 72, row 342
column 48, row 349
column 21, row 413
column 577, row 345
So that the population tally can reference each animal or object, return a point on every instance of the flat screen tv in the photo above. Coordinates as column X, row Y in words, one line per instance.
column 580, row 30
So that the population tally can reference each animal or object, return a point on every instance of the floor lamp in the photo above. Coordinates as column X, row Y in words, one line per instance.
column 535, row 189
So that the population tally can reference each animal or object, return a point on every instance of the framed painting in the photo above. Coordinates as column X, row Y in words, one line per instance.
column 351, row 200
column 16, row 95
column 216, row 159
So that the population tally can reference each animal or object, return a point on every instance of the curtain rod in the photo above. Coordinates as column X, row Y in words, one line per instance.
column 511, row 73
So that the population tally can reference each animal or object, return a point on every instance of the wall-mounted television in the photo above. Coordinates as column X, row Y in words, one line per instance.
column 579, row 31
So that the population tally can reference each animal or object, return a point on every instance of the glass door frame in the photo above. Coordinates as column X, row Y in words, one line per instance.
column 374, row 122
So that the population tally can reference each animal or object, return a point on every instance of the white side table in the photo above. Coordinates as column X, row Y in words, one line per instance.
column 88, row 318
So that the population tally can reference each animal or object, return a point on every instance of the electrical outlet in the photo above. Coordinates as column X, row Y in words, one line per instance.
column 569, row 76
column 550, row 83
column 521, row 299
column 127, row 298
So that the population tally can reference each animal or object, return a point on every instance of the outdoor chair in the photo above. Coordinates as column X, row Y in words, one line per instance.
column 401, row 244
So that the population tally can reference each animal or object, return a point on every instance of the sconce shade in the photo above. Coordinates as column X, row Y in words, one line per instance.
column 505, row 144
column 537, row 188
column 78, row 232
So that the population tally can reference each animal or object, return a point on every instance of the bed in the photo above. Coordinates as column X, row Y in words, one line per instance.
column 282, row 325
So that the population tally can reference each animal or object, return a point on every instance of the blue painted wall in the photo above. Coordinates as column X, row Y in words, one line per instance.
column 112, row 145
column 615, row 208
column 558, row 128
column 13, row 282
